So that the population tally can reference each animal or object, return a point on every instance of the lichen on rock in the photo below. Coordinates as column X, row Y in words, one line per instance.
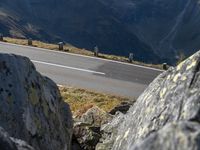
column 87, row 127
column 31, row 107
column 174, row 96
column 174, row 136
column 10, row 143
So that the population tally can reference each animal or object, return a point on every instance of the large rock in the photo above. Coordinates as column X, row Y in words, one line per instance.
column 123, row 107
column 31, row 107
column 109, row 132
column 87, row 127
column 172, row 97
column 9, row 143
column 174, row 136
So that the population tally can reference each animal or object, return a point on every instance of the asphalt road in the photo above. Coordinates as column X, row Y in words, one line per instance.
column 87, row 72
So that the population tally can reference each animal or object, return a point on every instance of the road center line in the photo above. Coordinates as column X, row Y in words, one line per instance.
column 67, row 67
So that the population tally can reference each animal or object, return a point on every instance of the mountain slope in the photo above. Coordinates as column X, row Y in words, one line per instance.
column 169, row 27
column 155, row 31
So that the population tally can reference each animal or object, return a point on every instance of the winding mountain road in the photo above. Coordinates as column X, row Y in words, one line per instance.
column 87, row 72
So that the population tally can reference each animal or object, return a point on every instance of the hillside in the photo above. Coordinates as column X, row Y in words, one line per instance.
column 155, row 31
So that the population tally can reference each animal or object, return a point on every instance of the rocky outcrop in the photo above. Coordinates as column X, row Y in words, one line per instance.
column 9, row 143
column 87, row 127
column 31, row 108
column 109, row 132
column 123, row 107
column 5, row 141
column 170, row 105
column 173, row 136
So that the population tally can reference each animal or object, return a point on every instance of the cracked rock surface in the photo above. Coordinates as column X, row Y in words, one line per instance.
column 87, row 127
column 169, row 107
column 173, row 136
column 31, row 108
column 9, row 143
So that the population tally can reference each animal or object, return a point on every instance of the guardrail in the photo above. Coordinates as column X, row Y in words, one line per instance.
column 96, row 51
column 130, row 58
column 165, row 66
column 1, row 37
column 61, row 46
column 30, row 42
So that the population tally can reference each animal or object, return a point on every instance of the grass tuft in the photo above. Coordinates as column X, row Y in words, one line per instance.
column 80, row 100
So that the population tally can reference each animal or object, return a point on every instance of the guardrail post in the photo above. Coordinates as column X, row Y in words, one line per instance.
column 165, row 66
column 1, row 37
column 61, row 46
column 130, row 58
column 30, row 42
column 96, row 51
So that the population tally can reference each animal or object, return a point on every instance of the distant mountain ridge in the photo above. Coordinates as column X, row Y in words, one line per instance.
column 155, row 31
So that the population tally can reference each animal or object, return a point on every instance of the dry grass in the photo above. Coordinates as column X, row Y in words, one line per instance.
column 67, row 48
column 72, row 49
column 80, row 100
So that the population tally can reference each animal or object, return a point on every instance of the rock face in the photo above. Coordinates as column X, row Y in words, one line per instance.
column 9, row 143
column 174, row 136
column 109, row 133
column 172, row 98
column 123, row 107
column 87, row 127
column 31, row 108
column 5, row 141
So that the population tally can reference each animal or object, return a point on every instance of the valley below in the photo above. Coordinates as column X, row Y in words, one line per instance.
column 155, row 32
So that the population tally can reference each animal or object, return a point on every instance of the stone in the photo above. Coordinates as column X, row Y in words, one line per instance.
column 123, row 108
column 86, row 137
column 174, row 96
column 5, row 142
column 31, row 108
column 75, row 144
column 94, row 117
column 109, row 132
column 173, row 136
column 87, row 127
column 22, row 145
column 9, row 143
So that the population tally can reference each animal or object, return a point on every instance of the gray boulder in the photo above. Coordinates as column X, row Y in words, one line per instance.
column 173, row 136
column 5, row 142
column 172, row 97
column 31, row 107
column 109, row 132
column 87, row 127
column 9, row 143
column 21, row 145
column 123, row 107
column 94, row 117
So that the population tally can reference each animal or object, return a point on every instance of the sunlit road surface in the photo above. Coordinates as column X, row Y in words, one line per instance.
column 87, row 72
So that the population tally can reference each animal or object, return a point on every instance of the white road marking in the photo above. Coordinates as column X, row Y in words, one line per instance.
column 67, row 67
column 79, row 55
